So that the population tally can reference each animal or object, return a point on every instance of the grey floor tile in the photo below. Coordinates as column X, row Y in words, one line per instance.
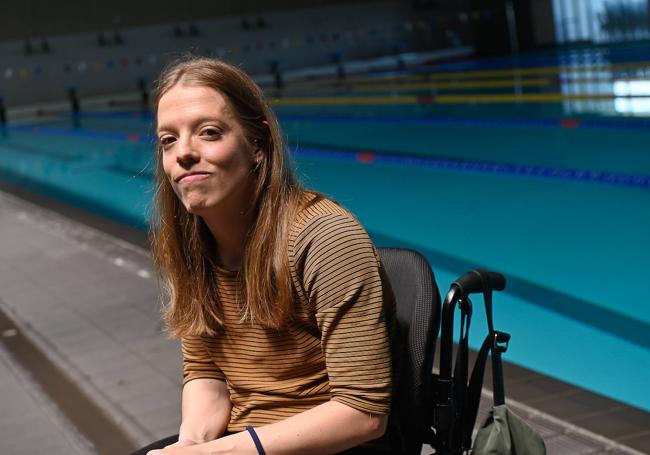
column 29, row 422
column 125, row 392
column 563, row 444
column 121, row 375
column 163, row 421
column 168, row 364
column 59, row 321
column 535, row 388
column 640, row 441
column 86, row 340
column 544, row 429
column 157, row 399
column 574, row 405
column 107, row 361
column 617, row 423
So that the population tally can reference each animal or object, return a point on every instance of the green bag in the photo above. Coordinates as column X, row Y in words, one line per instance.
column 505, row 433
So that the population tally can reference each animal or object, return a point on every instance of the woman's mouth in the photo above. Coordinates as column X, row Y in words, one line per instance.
column 191, row 177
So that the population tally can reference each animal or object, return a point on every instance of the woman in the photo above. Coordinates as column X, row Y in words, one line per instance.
column 276, row 292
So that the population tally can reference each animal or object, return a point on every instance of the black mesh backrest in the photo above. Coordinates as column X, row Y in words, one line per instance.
column 418, row 315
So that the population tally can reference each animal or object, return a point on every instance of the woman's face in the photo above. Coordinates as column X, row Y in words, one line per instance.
column 205, row 152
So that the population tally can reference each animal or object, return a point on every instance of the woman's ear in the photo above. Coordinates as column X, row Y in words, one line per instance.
column 257, row 159
column 258, row 154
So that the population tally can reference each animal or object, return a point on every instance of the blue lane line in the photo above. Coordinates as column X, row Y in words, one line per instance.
column 609, row 178
column 574, row 175
column 119, row 114
column 80, row 132
column 483, row 122
column 575, row 123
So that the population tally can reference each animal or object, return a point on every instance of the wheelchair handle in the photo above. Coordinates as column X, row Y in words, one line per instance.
column 470, row 283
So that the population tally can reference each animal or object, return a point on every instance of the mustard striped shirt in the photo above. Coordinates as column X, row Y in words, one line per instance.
column 338, row 348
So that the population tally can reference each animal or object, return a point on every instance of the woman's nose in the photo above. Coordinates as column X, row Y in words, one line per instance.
column 187, row 152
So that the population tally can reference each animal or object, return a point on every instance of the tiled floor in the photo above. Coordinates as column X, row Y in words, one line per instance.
column 603, row 416
column 30, row 423
column 88, row 301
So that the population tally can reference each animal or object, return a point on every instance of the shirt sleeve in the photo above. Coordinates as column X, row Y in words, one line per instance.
column 343, row 285
column 197, row 361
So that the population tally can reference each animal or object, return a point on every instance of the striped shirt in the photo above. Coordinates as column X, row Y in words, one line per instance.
column 338, row 348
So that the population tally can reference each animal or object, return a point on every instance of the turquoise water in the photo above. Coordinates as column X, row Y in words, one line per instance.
column 575, row 251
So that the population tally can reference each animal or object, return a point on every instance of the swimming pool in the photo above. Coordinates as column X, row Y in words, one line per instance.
column 554, row 195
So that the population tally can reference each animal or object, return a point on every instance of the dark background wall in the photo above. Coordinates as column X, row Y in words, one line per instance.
column 489, row 26
column 23, row 18
column 292, row 38
column 543, row 25
column 532, row 21
column 297, row 34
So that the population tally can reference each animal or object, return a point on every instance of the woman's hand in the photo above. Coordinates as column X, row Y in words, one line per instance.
column 238, row 443
column 178, row 448
column 183, row 443
column 178, row 444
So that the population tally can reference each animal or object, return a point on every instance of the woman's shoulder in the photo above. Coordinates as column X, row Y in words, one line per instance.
column 318, row 208
column 322, row 220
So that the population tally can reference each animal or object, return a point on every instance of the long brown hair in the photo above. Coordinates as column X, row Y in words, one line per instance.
column 184, row 251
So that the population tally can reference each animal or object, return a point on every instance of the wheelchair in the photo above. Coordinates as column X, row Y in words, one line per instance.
column 440, row 409
column 437, row 409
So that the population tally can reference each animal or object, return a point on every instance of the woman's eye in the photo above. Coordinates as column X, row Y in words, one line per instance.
column 166, row 140
column 211, row 132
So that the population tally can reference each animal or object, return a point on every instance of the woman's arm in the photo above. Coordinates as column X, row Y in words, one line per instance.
column 325, row 429
column 205, row 411
column 206, row 400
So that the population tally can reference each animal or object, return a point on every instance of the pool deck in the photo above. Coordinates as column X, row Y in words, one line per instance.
column 86, row 368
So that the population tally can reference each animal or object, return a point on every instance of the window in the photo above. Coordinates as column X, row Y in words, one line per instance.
column 600, row 21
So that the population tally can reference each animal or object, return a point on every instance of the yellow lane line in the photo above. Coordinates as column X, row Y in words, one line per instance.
column 505, row 72
column 598, row 80
column 503, row 81
column 345, row 101
column 442, row 99
column 495, row 83
column 548, row 70
column 526, row 98
column 508, row 82
column 478, row 83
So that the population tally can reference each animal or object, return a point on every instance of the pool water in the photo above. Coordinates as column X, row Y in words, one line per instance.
column 552, row 192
